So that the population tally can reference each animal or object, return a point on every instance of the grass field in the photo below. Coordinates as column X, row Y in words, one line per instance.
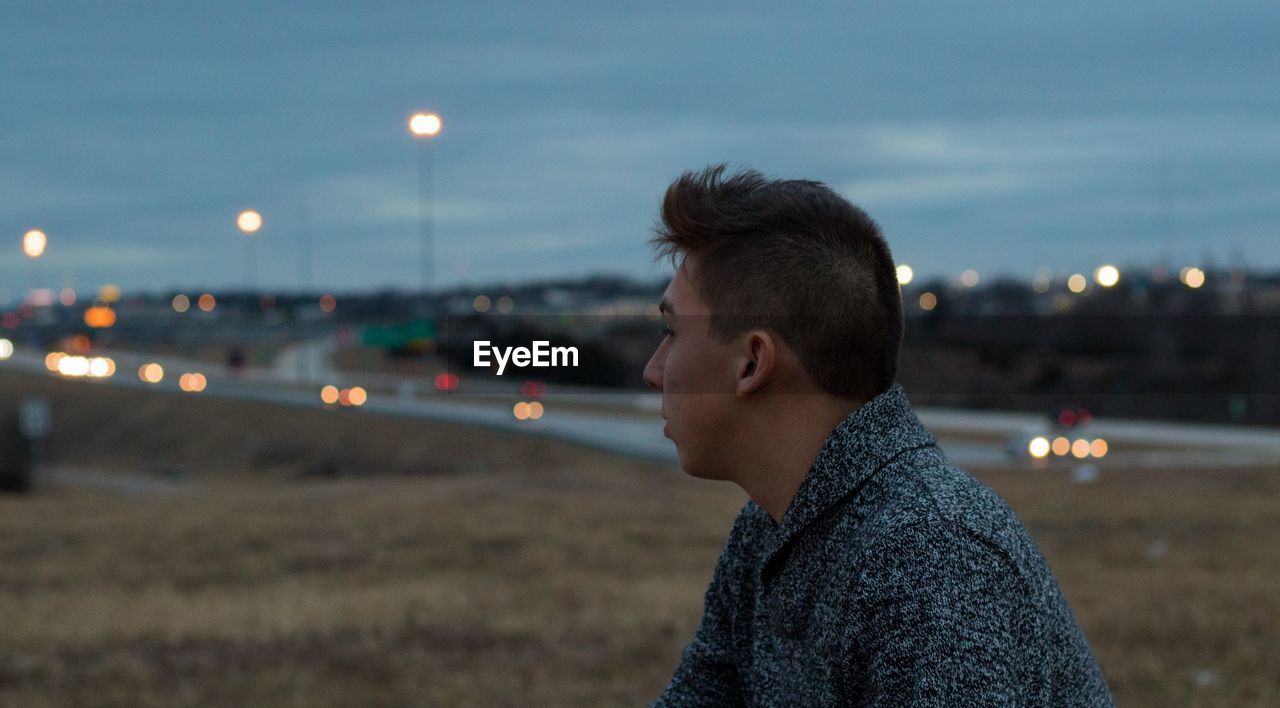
column 288, row 557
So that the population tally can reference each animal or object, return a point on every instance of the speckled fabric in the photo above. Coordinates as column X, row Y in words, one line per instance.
column 894, row 579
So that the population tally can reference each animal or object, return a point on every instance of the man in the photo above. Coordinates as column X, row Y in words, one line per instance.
column 864, row 569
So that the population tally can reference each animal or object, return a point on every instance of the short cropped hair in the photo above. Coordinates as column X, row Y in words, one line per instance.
column 793, row 257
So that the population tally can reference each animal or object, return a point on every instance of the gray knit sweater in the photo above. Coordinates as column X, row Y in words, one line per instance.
column 894, row 579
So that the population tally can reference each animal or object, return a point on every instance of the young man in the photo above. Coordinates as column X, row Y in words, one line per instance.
column 865, row 569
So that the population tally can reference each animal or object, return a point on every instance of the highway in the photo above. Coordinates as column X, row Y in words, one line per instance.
column 627, row 423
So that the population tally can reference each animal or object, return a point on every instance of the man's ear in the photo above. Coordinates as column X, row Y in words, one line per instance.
column 756, row 362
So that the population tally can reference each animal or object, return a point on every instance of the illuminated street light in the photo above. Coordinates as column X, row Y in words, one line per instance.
column 425, row 126
column 249, row 222
column 34, row 243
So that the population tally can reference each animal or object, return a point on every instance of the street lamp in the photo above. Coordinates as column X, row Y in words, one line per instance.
column 249, row 221
column 424, row 127
column 34, row 242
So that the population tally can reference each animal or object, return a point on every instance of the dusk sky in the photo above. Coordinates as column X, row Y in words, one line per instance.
column 989, row 135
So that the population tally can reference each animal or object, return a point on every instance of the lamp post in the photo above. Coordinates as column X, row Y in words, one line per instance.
column 424, row 127
column 34, row 242
column 249, row 221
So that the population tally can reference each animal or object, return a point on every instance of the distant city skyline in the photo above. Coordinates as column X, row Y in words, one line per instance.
column 987, row 137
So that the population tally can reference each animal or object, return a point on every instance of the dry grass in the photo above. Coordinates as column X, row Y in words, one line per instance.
column 535, row 573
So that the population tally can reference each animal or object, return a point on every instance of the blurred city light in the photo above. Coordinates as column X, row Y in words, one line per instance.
column 446, row 382
column 181, row 303
column 328, row 303
column 425, row 125
column 329, row 395
column 52, row 359
column 535, row 410
column 1192, row 277
column 481, row 303
column 1077, row 283
column 1106, row 276
column 100, row 317
column 74, row 366
column 1061, row 446
column 506, row 305
column 1042, row 281
column 1099, row 448
column 969, row 278
column 1038, row 447
column 249, row 221
column 928, row 301
column 34, row 243
column 193, row 382
column 207, row 302
column 109, row 294
column 358, row 396
column 67, row 297
column 905, row 274
column 520, row 411
column 6, row 349
column 151, row 373
column 1080, row 448
column 101, row 367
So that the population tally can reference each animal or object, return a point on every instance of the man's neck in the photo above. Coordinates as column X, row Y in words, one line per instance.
column 782, row 448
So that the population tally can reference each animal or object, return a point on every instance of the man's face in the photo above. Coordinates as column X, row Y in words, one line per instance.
column 696, row 376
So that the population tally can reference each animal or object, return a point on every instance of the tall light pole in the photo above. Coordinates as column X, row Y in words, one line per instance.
column 424, row 127
column 249, row 221
column 34, row 242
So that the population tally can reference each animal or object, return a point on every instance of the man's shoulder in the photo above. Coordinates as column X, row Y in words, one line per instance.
column 923, row 495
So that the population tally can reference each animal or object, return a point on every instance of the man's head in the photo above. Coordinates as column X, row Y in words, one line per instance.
column 782, row 286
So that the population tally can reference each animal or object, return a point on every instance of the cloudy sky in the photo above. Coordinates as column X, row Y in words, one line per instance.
column 990, row 135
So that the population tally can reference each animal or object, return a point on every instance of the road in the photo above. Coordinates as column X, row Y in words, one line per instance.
column 298, row 374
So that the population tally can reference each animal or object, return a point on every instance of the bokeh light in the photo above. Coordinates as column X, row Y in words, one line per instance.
column 425, row 124
column 249, row 221
column 1061, row 446
column 1192, row 277
column 481, row 303
column 181, row 303
column 358, row 396
column 506, row 305
column 51, row 360
column 535, row 410
column 100, row 317
column 34, row 243
column 329, row 395
column 67, row 297
column 1077, row 283
column 109, row 293
column 151, row 373
column 6, row 349
column 520, row 411
column 193, row 382
column 1038, row 447
column 1107, row 276
column 1080, row 448
column 328, row 303
column 1099, row 448
column 969, row 278
column 928, row 301
column 905, row 274
column 446, row 382
column 207, row 302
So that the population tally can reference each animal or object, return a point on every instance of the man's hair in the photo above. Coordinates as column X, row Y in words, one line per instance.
column 793, row 257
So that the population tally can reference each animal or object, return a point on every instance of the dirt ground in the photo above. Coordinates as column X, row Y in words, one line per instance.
column 254, row 555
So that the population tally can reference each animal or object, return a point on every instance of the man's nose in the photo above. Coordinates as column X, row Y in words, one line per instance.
column 653, row 371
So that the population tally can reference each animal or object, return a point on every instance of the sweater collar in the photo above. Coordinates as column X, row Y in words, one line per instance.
column 862, row 443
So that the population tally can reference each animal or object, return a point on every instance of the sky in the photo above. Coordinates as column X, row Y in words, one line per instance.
column 998, row 136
